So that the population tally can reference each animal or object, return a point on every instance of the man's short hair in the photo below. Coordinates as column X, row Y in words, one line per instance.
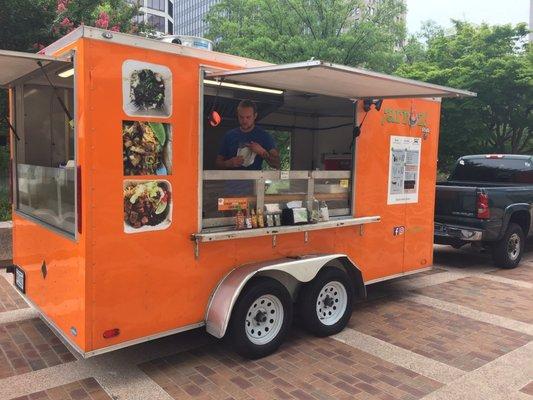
column 247, row 104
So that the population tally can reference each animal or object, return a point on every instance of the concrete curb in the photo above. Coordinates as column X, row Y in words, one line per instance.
column 6, row 240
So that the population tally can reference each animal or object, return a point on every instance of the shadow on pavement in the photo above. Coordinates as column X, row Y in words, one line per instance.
column 467, row 256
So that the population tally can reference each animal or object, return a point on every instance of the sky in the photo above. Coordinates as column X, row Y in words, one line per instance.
column 477, row 11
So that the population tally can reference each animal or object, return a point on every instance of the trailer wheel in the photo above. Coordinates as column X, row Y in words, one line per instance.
column 507, row 252
column 325, row 303
column 260, row 319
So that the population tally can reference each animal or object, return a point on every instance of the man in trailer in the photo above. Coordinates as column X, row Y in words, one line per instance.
column 245, row 147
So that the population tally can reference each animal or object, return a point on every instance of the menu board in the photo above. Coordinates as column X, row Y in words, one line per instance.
column 404, row 169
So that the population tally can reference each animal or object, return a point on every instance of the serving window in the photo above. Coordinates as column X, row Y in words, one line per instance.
column 45, row 173
column 313, row 134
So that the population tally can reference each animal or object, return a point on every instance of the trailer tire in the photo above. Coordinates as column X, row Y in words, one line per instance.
column 508, row 251
column 261, row 318
column 325, row 303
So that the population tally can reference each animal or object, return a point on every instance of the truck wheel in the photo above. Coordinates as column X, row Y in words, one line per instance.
column 325, row 303
column 260, row 319
column 507, row 252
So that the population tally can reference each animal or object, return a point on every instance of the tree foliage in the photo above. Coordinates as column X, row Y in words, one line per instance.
column 496, row 63
column 281, row 31
column 30, row 25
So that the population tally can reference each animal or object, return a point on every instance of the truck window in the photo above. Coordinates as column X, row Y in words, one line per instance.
column 45, row 172
column 497, row 170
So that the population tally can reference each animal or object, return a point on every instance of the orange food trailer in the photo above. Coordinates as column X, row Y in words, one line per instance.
column 124, row 230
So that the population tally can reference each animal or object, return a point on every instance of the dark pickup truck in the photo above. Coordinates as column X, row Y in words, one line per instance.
column 488, row 202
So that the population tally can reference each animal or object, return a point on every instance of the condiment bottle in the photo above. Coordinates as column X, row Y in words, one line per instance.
column 260, row 219
column 254, row 219
column 324, row 211
column 239, row 219
column 248, row 220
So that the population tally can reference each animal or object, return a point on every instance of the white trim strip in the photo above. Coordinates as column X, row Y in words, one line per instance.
column 401, row 274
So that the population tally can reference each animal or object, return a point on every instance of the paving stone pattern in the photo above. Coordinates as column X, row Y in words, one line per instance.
column 449, row 338
column 488, row 296
column 29, row 345
column 87, row 389
column 304, row 368
column 528, row 389
column 9, row 298
column 524, row 272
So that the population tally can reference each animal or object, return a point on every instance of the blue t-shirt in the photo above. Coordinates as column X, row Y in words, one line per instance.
column 235, row 138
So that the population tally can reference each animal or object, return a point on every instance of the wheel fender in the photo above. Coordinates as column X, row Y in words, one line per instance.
column 510, row 210
column 303, row 269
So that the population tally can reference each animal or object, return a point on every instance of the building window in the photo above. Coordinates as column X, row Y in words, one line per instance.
column 170, row 9
column 170, row 28
column 157, row 22
column 156, row 5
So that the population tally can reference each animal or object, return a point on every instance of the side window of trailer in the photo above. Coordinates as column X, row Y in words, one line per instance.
column 45, row 153
column 313, row 137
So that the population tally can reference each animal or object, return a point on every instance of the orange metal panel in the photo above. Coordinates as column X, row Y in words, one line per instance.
column 61, row 295
column 419, row 216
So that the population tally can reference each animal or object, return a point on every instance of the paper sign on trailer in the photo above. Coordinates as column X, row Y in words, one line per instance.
column 404, row 169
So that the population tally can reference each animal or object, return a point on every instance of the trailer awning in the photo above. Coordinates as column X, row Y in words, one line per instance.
column 336, row 80
column 16, row 64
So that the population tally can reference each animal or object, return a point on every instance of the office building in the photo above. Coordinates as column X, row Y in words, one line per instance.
column 157, row 13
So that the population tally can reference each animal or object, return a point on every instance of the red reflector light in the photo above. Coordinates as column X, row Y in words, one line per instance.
column 111, row 333
column 494, row 156
column 483, row 210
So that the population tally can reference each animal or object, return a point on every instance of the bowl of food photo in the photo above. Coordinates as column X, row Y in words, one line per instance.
column 147, row 205
column 146, row 89
column 146, row 148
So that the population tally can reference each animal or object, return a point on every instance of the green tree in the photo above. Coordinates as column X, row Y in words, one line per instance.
column 281, row 31
column 496, row 63
column 30, row 25
column 24, row 23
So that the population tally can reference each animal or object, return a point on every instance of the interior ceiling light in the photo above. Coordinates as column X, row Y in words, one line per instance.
column 242, row 87
column 65, row 73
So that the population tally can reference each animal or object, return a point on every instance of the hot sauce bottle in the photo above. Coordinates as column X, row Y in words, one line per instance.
column 254, row 219
column 260, row 218
column 239, row 219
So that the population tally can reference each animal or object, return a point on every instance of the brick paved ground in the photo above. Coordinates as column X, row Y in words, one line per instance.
column 29, row 346
column 9, row 298
column 451, row 339
column 443, row 355
column 528, row 389
column 522, row 273
column 305, row 368
column 488, row 296
column 87, row 389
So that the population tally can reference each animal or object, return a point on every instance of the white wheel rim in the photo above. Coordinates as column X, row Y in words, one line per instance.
column 331, row 303
column 513, row 246
column 264, row 319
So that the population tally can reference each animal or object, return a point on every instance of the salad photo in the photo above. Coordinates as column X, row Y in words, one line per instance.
column 147, row 205
column 146, row 89
column 146, row 148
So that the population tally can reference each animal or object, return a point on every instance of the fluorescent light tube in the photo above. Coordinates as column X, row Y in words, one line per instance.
column 242, row 87
column 66, row 73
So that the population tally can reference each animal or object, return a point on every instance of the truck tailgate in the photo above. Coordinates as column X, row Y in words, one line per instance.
column 458, row 201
